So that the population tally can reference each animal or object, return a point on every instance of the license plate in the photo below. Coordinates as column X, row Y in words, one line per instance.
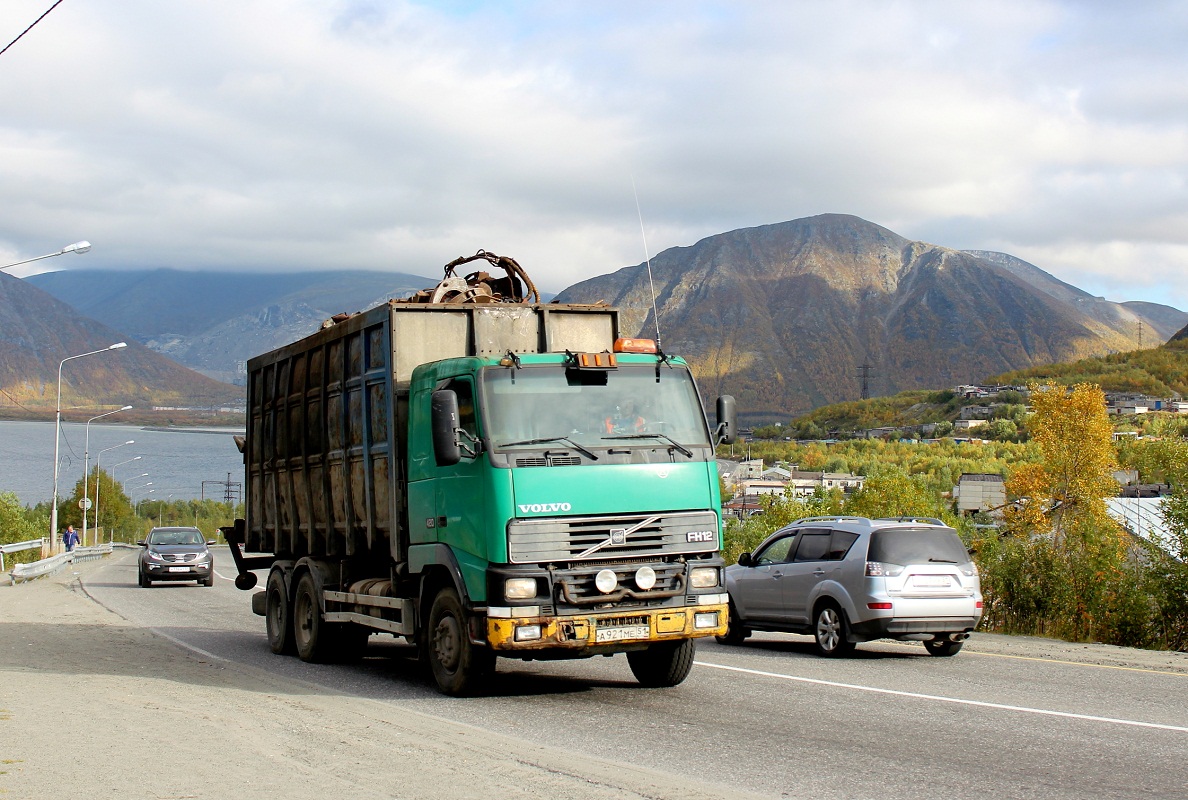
column 179, row 569
column 621, row 634
column 932, row 581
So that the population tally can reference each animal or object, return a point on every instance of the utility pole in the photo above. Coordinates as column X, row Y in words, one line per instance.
column 1140, row 322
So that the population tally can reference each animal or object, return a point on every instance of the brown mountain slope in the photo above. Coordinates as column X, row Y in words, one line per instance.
column 784, row 316
column 38, row 331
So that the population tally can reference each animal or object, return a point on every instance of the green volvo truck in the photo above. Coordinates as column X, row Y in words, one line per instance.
column 487, row 480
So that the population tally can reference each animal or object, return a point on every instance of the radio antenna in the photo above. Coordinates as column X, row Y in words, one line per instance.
column 648, row 261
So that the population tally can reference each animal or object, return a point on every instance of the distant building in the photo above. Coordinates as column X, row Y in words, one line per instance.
column 978, row 491
column 968, row 424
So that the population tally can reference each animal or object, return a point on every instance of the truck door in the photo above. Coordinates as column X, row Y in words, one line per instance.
column 460, row 489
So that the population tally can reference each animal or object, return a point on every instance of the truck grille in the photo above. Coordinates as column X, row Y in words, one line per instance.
column 549, row 461
column 535, row 541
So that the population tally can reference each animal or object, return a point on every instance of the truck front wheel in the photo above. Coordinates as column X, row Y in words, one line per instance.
column 663, row 664
column 459, row 667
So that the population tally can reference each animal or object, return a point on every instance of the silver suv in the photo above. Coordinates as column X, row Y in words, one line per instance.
column 850, row 579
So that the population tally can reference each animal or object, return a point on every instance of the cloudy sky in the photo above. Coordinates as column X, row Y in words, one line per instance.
column 391, row 135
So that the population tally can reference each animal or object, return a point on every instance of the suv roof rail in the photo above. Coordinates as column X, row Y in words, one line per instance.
column 929, row 520
column 832, row 519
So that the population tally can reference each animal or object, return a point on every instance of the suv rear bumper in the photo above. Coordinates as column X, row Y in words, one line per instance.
column 898, row 626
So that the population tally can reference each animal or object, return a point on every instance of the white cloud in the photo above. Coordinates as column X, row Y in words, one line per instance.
column 392, row 135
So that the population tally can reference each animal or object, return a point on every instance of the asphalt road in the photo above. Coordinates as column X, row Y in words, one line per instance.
column 1005, row 718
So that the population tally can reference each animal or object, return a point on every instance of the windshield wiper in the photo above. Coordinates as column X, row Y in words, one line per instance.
column 942, row 561
column 686, row 452
column 546, row 440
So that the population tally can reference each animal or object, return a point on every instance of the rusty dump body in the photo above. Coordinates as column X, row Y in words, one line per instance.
column 326, row 453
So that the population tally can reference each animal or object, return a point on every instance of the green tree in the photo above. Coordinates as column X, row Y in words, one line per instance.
column 889, row 491
column 112, row 514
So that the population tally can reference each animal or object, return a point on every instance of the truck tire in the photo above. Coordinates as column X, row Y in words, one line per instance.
column 663, row 664
column 311, row 635
column 459, row 667
column 278, row 615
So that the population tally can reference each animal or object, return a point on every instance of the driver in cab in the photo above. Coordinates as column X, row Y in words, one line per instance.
column 625, row 419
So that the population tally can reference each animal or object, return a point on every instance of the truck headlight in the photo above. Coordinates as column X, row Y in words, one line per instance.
column 519, row 588
column 703, row 577
column 606, row 580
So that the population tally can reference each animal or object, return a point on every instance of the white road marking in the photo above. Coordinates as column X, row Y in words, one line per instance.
column 958, row 701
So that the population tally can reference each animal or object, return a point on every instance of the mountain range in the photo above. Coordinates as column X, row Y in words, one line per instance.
column 787, row 317
column 796, row 315
column 38, row 332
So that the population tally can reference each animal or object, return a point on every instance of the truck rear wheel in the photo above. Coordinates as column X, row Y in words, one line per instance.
column 459, row 667
column 311, row 634
column 663, row 664
column 278, row 615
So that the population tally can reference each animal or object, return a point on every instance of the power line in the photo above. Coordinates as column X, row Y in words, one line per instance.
column 26, row 30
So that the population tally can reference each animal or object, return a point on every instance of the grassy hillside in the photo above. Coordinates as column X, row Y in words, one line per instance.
column 1160, row 372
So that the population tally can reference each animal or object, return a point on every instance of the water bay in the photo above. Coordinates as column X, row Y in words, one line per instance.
column 177, row 460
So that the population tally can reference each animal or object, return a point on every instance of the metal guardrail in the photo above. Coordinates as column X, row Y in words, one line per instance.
column 48, row 566
column 17, row 547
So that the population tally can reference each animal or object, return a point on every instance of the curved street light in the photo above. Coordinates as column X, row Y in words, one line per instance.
column 77, row 247
column 58, row 429
column 98, row 483
column 87, row 472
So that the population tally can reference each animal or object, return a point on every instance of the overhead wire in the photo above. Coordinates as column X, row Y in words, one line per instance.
column 26, row 30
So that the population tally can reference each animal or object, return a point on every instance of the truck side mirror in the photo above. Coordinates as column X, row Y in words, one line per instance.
column 444, row 412
column 727, row 430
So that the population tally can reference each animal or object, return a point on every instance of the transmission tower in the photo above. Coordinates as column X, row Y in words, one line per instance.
column 865, row 375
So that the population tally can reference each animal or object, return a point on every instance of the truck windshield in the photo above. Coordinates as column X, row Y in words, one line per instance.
column 624, row 407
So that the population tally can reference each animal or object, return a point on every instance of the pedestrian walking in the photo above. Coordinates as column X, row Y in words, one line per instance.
column 70, row 538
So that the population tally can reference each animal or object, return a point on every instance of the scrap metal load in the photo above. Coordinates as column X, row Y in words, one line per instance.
column 480, row 287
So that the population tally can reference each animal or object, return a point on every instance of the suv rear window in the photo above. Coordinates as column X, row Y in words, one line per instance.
column 916, row 546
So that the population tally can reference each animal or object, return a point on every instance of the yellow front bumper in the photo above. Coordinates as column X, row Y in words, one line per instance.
column 620, row 630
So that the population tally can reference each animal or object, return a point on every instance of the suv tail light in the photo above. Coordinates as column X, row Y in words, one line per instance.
column 879, row 606
column 877, row 569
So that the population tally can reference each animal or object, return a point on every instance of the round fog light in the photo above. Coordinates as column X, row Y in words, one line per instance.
column 606, row 581
column 645, row 578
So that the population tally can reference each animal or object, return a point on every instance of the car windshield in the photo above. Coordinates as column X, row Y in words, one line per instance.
column 181, row 536
column 617, row 408
column 917, row 546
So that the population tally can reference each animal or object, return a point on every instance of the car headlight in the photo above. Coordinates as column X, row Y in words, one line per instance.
column 156, row 556
column 519, row 588
column 703, row 577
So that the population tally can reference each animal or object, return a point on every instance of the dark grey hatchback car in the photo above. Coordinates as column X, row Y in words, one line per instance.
column 175, row 554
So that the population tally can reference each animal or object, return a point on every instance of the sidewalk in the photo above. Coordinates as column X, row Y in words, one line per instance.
column 93, row 707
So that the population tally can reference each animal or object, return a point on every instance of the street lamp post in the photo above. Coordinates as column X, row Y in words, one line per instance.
column 99, row 483
column 77, row 247
column 58, row 431
column 87, row 471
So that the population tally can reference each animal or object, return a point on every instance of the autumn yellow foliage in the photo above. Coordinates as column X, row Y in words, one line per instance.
column 1077, row 460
